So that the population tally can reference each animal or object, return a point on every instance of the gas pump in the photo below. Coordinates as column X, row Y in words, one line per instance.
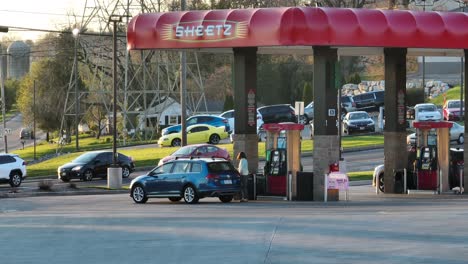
column 427, row 168
column 283, row 157
column 432, row 163
column 276, row 170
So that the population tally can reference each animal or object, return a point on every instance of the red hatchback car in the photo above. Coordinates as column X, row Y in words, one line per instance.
column 197, row 150
column 451, row 110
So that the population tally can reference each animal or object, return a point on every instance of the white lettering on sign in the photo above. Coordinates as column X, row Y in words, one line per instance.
column 201, row 30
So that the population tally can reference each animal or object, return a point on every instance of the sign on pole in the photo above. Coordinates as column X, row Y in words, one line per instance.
column 299, row 108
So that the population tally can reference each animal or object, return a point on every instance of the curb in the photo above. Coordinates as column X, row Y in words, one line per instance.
column 60, row 193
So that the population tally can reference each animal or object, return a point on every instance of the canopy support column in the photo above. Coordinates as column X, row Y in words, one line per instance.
column 245, row 108
column 465, row 115
column 395, row 116
column 326, row 147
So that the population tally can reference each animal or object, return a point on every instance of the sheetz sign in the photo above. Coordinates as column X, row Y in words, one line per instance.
column 209, row 31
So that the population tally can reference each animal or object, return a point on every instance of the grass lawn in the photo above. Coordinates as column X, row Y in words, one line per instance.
column 150, row 156
column 451, row 94
column 360, row 175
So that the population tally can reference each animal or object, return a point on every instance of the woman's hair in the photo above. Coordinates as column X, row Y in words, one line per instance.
column 241, row 155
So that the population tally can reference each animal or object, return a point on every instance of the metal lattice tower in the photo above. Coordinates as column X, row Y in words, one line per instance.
column 147, row 80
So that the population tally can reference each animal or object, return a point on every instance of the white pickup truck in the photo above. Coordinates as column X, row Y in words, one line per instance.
column 427, row 112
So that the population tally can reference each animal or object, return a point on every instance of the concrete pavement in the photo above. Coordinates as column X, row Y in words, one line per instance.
column 105, row 229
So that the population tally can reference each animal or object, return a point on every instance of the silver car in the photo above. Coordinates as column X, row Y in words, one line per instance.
column 456, row 134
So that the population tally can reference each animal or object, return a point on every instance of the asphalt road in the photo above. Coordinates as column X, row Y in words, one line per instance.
column 13, row 140
column 112, row 229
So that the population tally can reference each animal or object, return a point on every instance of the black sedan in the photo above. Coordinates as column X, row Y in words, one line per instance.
column 94, row 164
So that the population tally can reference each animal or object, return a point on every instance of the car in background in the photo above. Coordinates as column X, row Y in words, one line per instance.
column 277, row 113
column 426, row 112
column 229, row 115
column 26, row 133
column 94, row 164
column 197, row 150
column 195, row 134
column 12, row 169
column 358, row 121
column 212, row 120
column 347, row 104
column 309, row 112
column 190, row 179
column 370, row 101
column 457, row 133
column 451, row 109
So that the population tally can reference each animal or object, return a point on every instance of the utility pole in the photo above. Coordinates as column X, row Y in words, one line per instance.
column 114, row 173
column 2, row 83
column 34, row 118
column 76, row 33
column 183, row 89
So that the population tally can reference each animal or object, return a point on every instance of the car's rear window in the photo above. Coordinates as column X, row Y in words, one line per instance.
column 216, row 167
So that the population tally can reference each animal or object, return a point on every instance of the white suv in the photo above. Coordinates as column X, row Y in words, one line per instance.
column 12, row 169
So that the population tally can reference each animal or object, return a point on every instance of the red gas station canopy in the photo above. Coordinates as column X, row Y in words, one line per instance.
column 298, row 26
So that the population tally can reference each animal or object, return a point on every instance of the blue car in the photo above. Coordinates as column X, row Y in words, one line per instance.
column 216, row 121
column 190, row 179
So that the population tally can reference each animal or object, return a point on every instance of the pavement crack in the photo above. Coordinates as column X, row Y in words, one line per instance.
column 272, row 238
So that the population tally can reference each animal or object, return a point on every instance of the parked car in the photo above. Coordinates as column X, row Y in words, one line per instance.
column 347, row 104
column 369, row 101
column 12, row 169
column 197, row 150
column 457, row 133
column 190, row 179
column 277, row 113
column 451, row 109
column 195, row 134
column 212, row 120
column 358, row 121
column 309, row 112
column 229, row 115
column 410, row 173
column 94, row 164
column 426, row 112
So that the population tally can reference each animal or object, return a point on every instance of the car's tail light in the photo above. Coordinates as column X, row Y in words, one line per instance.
column 213, row 177
column 24, row 163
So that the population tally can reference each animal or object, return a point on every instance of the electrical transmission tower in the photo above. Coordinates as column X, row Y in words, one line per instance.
column 148, row 81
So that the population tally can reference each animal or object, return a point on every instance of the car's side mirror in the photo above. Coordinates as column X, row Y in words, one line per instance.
column 97, row 161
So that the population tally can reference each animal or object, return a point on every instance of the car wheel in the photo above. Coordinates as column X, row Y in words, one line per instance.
column 461, row 139
column 303, row 119
column 214, row 139
column 175, row 199
column 15, row 179
column 226, row 198
column 381, row 183
column 176, row 142
column 88, row 175
column 190, row 195
column 125, row 172
column 139, row 194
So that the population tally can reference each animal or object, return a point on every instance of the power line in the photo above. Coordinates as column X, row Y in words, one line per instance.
column 34, row 13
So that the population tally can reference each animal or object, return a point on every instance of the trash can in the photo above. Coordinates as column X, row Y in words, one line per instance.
column 305, row 186
column 399, row 180
column 250, row 188
column 456, row 166
column 260, row 184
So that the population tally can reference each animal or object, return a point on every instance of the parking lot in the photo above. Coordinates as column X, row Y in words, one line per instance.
column 369, row 228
